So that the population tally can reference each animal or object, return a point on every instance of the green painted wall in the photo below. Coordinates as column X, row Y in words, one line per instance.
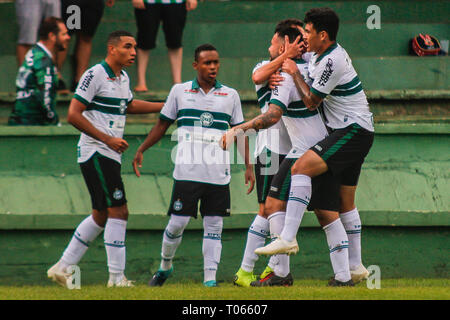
column 399, row 252
column 241, row 30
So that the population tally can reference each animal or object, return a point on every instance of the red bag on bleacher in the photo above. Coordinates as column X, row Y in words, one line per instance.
column 425, row 45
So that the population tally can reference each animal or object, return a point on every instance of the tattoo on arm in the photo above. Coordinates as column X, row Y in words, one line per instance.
column 266, row 119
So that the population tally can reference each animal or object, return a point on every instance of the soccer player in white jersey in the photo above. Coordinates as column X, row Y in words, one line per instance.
column 305, row 128
column 98, row 109
column 271, row 147
column 204, row 109
column 347, row 115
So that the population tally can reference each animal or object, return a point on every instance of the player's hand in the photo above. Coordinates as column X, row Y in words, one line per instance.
column 289, row 66
column 227, row 139
column 294, row 49
column 117, row 144
column 249, row 178
column 191, row 5
column 275, row 80
column 137, row 162
column 138, row 4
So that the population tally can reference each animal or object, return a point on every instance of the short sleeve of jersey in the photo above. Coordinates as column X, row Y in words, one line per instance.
column 170, row 109
column 87, row 87
column 281, row 94
column 329, row 72
column 237, row 116
column 259, row 65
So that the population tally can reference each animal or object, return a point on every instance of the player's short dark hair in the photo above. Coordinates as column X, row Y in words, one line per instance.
column 49, row 25
column 203, row 47
column 292, row 33
column 324, row 19
column 288, row 23
column 114, row 37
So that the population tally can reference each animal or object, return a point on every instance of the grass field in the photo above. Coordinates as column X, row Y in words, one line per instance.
column 391, row 289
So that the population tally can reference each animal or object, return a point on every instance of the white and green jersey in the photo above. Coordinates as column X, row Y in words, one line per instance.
column 106, row 97
column 335, row 80
column 202, row 119
column 164, row 1
column 305, row 127
column 275, row 138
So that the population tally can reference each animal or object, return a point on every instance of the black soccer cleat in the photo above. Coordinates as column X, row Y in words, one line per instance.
column 272, row 280
column 160, row 277
column 336, row 283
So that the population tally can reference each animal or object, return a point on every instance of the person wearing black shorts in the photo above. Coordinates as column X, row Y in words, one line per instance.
column 90, row 13
column 350, row 122
column 149, row 14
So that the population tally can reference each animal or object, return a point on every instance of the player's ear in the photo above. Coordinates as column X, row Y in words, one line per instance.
column 195, row 65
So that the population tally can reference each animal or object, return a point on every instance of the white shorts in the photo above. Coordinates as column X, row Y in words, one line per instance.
column 30, row 14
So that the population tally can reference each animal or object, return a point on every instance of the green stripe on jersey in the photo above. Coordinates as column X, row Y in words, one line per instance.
column 342, row 93
column 297, row 109
column 198, row 113
column 318, row 93
column 81, row 99
column 262, row 91
column 110, row 101
column 109, row 110
column 190, row 122
column 348, row 85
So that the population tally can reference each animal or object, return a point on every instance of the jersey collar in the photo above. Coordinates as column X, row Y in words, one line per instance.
column 108, row 70
column 44, row 48
column 196, row 86
column 327, row 52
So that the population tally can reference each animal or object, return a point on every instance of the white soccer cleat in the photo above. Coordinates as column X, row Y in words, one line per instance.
column 359, row 274
column 124, row 283
column 279, row 246
column 60, row 277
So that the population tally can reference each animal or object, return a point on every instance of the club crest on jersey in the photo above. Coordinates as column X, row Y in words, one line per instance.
column 177, row 205
column 206, row 119
column 123, row 106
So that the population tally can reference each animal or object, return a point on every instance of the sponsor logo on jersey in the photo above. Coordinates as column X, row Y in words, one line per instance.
column 206, row 119
column 190, row 91
column 220, row 94
column 87, row 80
column 326, row 74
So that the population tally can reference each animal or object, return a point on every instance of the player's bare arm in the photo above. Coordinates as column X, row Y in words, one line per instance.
column 141, row 106
column 153, row 137
column 264, row 73
column 263, row 121
column 76, row 118
column 310, row 99
column 249, row 174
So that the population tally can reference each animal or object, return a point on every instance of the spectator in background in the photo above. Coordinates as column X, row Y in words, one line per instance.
column 148, row 14
column 29, row 15
column 37, row 78
column 91, row 14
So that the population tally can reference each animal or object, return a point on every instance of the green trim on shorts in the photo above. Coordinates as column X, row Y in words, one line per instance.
column 102, row 179
column 342, row 141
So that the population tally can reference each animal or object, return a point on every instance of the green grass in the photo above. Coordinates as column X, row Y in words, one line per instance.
column 391, row 289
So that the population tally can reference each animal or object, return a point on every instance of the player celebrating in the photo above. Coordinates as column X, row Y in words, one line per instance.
column 348, row 116
column 98, row 109
column 203, row 108
column 271, row 147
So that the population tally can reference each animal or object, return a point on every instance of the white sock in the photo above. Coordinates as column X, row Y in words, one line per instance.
column 277, row 222
column 256, row 237
column 84, row 234
column 114, row 236
column 352, row 225
column 299, row 197
column 172, row 239
column 338, row 245
column 212, row 245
